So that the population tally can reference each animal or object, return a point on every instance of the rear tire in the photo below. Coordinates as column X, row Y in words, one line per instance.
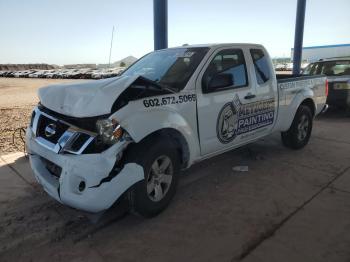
column 299, row 133
column 161, row 163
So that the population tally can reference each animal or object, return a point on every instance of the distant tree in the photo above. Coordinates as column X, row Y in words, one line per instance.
column 122, row 64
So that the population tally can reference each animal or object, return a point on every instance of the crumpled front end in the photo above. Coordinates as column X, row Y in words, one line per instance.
column 61, row 164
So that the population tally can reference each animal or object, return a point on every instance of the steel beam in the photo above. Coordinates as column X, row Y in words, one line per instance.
column 298, row 38
column 160, row 21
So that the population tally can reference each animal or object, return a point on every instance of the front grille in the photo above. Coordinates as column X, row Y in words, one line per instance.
column 87, row 123
column 79, row 142
column 57, row 135
column 46, row 124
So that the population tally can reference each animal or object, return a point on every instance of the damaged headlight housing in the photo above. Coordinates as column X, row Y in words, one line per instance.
column 109, row 131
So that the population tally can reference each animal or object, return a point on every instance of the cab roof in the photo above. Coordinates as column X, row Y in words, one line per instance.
column 219, row 45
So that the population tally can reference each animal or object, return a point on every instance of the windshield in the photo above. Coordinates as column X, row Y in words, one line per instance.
column 329, row 68
column 169, row 67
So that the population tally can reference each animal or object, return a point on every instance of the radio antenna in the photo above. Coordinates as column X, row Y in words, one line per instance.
column 110, row 50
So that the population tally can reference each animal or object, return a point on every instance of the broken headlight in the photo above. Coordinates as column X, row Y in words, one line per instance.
column 109, row 131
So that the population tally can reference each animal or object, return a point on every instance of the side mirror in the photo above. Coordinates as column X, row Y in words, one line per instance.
column 220, row 81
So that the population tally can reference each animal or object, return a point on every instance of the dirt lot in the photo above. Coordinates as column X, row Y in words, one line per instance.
column 289, row 206
column 18, row 96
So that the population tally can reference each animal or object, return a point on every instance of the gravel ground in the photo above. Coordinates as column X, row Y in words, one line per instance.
column 18, row 96
column 12, row 121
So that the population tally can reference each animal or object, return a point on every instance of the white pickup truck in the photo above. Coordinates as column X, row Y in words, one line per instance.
column 93, row 143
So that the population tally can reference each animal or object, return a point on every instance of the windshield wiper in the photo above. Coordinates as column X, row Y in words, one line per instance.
column 166, row 87
column 159, row 85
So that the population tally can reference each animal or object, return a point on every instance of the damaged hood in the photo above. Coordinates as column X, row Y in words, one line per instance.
column 84, row 99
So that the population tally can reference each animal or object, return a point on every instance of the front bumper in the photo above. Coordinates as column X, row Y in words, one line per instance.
column 89, row 169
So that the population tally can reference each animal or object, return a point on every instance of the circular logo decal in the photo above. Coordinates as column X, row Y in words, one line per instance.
column 50, row 130
column 226, row 125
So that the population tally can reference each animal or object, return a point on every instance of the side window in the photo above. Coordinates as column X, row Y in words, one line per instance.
column 261, row 65
column 317, row 69
column 307, row 69
column 226, row 70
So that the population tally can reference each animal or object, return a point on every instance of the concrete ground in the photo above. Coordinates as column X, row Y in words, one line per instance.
column 289, row 206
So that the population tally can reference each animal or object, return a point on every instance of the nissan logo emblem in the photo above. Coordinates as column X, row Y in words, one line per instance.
column 50, row 130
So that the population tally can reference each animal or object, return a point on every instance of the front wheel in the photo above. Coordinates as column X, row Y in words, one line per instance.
column 299, row 133
column 160, row 162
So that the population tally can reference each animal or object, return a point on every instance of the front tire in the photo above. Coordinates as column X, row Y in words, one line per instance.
column 161, row 164
column 299, row 133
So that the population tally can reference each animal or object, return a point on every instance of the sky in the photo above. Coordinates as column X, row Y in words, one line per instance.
column 79, row 31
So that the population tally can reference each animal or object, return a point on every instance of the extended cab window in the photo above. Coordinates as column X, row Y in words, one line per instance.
column 311, row 69
column 261, row 65
column 226, row 70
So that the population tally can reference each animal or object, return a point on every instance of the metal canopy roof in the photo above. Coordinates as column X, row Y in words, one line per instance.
column 160, row 10
column 324, row 46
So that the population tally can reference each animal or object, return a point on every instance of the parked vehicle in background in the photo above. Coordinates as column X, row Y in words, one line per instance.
column 44, row 73
column 77, row 74
column 337, row 71
column 50, row 74
column 280, row 67
column 88, row 74
column 61, row 73
column 17, row 74
column 9, row 74
column 21, row 73
column 289, row 67
column 84, row 73
column 97, row 74
column 73, row 74
column 286, row 67
column 35, row 74
column 91, row 144
column 27, row 73
column 304, row 65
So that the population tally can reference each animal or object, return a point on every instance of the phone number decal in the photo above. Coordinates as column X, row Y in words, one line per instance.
column 169, row 100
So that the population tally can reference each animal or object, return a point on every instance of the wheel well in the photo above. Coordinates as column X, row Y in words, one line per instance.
column 178, row 139
column 309, row 103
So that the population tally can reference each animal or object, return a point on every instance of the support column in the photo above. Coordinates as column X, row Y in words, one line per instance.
column 160, row 20
column 298, row 38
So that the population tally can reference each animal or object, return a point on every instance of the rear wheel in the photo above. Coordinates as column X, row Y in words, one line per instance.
column 299, row 133
column 160, row 162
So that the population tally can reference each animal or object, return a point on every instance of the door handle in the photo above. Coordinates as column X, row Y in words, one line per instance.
column 249, row 96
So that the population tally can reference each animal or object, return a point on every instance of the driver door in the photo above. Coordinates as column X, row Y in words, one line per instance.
column 223, row 88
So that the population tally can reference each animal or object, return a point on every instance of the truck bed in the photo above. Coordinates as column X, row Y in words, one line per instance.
column 293, row 89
